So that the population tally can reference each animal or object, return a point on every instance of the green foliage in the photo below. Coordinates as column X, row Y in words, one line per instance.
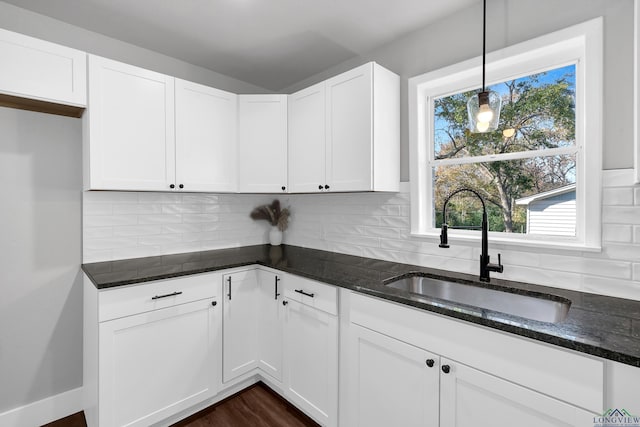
column 541, row 114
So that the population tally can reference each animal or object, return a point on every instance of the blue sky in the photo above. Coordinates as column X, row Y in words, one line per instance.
column 551, row 76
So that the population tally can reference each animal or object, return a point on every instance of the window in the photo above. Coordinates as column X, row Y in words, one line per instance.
column 539, row 173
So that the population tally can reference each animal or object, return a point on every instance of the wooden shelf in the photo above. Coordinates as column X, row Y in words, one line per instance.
column 40, row 106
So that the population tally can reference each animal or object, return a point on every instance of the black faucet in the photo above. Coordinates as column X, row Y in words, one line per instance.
column 485, row 264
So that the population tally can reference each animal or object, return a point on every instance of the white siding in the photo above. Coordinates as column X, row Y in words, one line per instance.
column 554, row 215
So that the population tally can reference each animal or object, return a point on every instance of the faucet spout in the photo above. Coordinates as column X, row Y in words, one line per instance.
column 485, row 261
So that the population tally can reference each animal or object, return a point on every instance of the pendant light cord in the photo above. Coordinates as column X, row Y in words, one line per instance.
column 484, row 40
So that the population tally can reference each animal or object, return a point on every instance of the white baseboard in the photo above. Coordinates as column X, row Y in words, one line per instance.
column 44, row 411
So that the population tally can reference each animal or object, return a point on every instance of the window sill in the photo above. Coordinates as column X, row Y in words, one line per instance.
column 509, row 243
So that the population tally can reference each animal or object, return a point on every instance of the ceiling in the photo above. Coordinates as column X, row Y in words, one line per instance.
column 269, row 43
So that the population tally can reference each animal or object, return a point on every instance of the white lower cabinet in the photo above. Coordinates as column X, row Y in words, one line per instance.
column 471, row 398
column 391, row 383
column 311, row 349
column 140, row 382
column 270, row 312
column 151, row 350
column 240, row 337
column 397, row 382
column 159, row 350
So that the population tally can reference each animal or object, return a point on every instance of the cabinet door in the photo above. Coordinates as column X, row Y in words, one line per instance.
column 390, row 383
column 155, row 364
column 311, row 361
column 262, row 143
column 131, row 144
column 270, row 323
column 37, row 69
column 307, row 140
column 350, row 130
column 240, row 337
column 206, row 138
column 473, row 398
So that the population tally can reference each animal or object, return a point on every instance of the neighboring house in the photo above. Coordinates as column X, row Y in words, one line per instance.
column 552, row 212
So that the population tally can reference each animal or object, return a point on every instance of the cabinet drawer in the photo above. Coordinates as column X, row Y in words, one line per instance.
column 148, row 296
column 311, row 293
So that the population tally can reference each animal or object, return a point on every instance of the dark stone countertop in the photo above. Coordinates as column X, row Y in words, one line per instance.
column 598, row 325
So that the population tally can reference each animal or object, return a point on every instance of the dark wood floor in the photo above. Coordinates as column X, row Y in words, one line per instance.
column 256, row 406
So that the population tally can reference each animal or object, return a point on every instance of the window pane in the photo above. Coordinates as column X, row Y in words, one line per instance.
column 531, row 196
column 538, row 112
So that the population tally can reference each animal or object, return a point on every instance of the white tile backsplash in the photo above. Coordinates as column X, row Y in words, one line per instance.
column 619, row 196
column 374, row 225
column 121, row 225
column 621, row 233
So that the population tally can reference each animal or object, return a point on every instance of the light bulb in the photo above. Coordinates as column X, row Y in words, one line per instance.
column 482, row 126
column 508, row 133
column 485, row 113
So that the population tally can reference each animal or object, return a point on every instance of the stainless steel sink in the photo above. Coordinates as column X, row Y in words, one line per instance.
column 543, row 308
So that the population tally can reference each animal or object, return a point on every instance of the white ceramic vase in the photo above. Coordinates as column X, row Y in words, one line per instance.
column 275, row 236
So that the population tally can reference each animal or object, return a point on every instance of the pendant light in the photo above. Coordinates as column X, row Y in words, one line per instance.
column 483, row 108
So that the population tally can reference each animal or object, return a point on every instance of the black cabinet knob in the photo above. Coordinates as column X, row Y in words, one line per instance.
column 284, row 188
column 446, row 369
column 214, row 303
column 181, row 186
column 285, row 302
column 172, row 186
column 320, row 187
column 430, row 363
column 326, row 187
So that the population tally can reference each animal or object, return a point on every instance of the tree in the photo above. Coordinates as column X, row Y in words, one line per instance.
column 541, row 112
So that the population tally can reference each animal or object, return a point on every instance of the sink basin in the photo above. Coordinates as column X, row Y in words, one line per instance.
column 543, row 308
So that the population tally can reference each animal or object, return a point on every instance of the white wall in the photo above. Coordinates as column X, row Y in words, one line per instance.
column 40, row 256
column 459, row 37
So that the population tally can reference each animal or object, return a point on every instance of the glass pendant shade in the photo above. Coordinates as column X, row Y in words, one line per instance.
column 483, row 109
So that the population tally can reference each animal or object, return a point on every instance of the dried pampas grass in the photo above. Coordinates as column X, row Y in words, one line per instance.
column 272, row 213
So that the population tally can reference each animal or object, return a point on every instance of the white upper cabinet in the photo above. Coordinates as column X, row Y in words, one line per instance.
column 206, row 126
column 262, row 143
column 344, row 133
column 130, row 125
column 307, row 140
column 146, row 131
column 42, row 71
column 152, row 132
column 349, row 102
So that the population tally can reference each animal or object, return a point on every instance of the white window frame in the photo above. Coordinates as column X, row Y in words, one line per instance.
column 580, row 45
